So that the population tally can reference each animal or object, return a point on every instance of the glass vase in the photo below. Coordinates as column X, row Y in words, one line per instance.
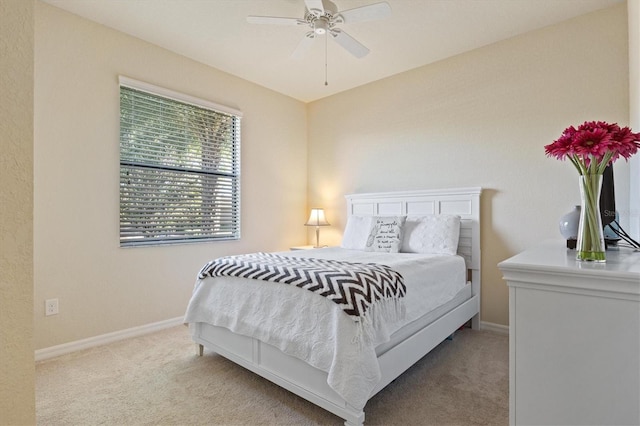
column 590, row 246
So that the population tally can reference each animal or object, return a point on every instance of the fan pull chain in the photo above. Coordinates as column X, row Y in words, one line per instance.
column 326, row 37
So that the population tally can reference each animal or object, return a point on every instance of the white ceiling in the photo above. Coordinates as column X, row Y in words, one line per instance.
column 419, row 32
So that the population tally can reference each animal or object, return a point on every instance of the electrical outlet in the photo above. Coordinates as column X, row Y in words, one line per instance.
column 51, row 307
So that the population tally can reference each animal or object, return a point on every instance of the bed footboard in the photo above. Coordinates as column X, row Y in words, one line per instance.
column 274, row 365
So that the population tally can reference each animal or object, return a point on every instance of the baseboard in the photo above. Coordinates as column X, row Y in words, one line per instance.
column 104, row 339
column 496, row 328
column 78, row 345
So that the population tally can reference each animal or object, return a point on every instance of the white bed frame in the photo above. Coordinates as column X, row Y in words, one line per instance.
column 311, row 383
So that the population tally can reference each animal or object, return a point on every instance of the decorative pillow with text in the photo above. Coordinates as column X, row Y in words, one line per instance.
column 385, row 234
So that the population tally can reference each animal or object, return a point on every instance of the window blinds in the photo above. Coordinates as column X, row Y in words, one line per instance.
column 179, row 169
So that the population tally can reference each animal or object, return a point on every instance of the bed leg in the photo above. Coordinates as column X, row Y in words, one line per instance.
column 199, row 349
column 354, row 420
column 475, row 322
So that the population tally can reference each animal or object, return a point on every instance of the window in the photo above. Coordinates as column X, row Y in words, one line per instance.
column 179, row 167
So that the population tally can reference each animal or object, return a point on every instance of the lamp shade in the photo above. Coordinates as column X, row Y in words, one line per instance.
column 316, row 218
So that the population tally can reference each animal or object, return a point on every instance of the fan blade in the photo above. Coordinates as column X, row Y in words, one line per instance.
column 366, row 13
column 304, row 45
column 315, row 5
column 274, row 20
column 352, row 45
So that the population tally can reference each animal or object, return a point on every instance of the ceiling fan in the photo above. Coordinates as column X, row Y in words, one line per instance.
column 323, row 17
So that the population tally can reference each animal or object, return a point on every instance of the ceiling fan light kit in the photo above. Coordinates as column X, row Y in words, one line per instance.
column 320, row 26
column 322, row 17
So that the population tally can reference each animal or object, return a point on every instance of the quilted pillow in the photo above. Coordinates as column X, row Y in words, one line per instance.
column 432, row 234
column 356, row 232
column 385, row 234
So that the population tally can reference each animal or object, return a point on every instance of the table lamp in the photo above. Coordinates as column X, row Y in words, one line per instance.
column 317, row 219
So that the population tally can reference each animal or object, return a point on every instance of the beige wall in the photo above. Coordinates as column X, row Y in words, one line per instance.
column 478, row 119
column 102, row 288
column 17, row 396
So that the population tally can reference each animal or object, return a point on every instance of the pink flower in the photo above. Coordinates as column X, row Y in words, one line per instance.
column 591, row 142
column 561, row 147
column 625, row 143
column 594, row 145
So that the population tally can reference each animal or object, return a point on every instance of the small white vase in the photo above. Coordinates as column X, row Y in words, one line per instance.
column 569, row 223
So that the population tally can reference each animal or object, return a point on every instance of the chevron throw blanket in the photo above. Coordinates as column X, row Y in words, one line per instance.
column 355, row 287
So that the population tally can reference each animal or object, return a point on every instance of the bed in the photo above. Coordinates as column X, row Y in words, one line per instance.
column 322, row 355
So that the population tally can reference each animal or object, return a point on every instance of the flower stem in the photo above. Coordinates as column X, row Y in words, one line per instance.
column 590, row 235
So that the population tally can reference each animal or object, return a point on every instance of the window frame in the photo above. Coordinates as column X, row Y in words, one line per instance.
column 155, row 231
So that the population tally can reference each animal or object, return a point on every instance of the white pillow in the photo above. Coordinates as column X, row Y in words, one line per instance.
column 386, row 234
column 356, row 232
column 431, row 234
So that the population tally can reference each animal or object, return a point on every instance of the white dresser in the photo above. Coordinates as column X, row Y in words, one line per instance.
column 574, row 337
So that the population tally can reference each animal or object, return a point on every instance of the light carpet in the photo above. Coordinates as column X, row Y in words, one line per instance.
column 158, row 380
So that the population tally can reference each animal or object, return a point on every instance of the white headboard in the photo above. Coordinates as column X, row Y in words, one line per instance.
column 464, row 202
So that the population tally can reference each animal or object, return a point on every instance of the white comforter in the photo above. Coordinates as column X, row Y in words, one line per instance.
column 314, row 329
